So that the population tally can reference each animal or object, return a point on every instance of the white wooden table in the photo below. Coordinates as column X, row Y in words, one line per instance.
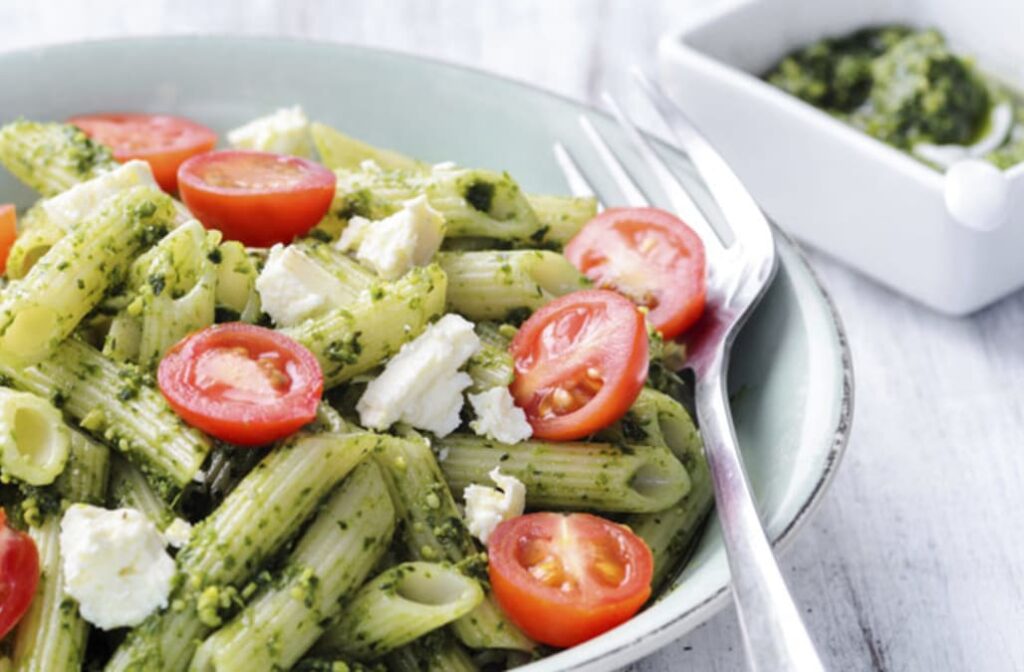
column 915, row 561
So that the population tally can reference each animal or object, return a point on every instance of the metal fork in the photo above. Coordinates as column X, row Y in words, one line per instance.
column 740, row 263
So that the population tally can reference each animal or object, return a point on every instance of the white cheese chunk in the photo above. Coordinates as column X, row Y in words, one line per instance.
column 370, row 166
column 392, row 246
column 283, row 132
column 354, row 234
column 178, row 532
column 115, row 565
column 498, row 417
column 422, row 384
column 487, row 507
column 82, row 200
column 293, row 287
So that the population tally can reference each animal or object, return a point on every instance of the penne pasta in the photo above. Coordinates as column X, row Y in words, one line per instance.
column 296, row 428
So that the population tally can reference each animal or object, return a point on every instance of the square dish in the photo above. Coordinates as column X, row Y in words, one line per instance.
column 862, row 201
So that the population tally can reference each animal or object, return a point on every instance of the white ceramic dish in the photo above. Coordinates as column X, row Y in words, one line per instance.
column 791, row 360
column 830, row 185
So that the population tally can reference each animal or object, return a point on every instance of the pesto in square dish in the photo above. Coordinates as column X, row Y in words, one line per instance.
column 907, row 88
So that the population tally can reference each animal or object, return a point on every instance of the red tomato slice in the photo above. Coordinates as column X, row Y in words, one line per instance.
column 8, row 233
column 162, row 141
column 650, row 256
column 580, row 362
column 258, row 198
column 19, row 574
column 242, row 384
column 564, row 579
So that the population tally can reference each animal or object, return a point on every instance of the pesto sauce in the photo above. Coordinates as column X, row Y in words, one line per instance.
column 903, row 87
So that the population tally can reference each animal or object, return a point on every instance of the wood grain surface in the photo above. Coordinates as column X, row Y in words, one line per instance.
column 915, row 561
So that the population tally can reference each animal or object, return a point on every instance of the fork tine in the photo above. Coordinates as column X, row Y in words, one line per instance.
column 684, row 206
column 741, row 212
column 630, row 191
column 578, row 184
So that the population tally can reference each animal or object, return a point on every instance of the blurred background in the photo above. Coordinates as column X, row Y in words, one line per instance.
column 913, row 561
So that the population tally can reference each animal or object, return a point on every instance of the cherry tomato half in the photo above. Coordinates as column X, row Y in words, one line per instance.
column 564, row 579
column 650, row 256
column 8, row 233
column 162, row 141
column 580, row 362
column 241, row 383
column 257, row 198
column 19, row 575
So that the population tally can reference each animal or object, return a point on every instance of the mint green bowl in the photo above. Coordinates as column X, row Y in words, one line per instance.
column 791, row 363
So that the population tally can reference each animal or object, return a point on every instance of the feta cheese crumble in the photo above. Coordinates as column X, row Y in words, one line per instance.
column 114, row 565
column 392, row 246
column 487, row 507
column 293, row 287
column 283, row 132
column 82, row 200
column 178, row 532
column 422, row 384
column 498, row 417
column 370, row 166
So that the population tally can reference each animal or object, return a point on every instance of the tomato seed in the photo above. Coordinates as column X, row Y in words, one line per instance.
column 563, row 400
column 611, row 573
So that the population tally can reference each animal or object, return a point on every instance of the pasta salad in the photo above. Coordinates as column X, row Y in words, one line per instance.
column 306, row 403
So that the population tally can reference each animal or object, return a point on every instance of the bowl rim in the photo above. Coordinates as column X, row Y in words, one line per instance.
column 675, row 45
column 648, row 641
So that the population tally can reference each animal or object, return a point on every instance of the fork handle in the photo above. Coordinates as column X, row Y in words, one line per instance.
column 774, row 635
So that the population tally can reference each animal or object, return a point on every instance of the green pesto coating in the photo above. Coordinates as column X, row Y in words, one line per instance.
column 561, row 217
column 233, row 544
column 338, row 150
column 670, row 533
column 606, row 477
column 52, row 634
column 172, row 290
column 473, row 202
column 120, row 406
column 337, row 665
column 36, row 235
column 922, row 92
column 432, row 529
column 129, row 488
column 835, row 73
column 346, row 539
column 400, row 605
column 399, row 312
column 71, row 279
column 436, row 651
column 52, row 157
column 903, row 87
column 490, row 367
column 489, row 285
